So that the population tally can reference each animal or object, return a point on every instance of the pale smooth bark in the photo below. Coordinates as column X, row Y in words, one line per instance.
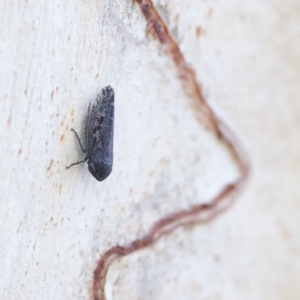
column 55, row 224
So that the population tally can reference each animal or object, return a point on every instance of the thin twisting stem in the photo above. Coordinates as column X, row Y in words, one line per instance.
column 198, row 213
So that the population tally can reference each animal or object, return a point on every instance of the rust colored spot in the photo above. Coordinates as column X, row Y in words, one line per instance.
column 62, row 137
column 198, row 31
column 72, row 112
column 50, row 165
column 20, row 151
column 9, row 121
column 52, row 94
column 62, row 123
column 97, row 76
column 57, row 88
column 25, row 92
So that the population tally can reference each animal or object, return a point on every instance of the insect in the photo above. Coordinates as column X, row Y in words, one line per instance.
column 99, row 135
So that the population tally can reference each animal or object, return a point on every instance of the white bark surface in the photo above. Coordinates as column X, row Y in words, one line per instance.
column 55, row 223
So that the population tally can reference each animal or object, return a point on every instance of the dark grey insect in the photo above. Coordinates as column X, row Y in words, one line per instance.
column 99, row 135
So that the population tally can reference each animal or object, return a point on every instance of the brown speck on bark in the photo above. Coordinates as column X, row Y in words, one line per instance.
column 62, row 123
column 62, row 137
column 9, row 121
column 50, row 165
column 198, row 213
column 217, row 258
column 25, row 92
column 198, row 31
column 52, row 94
column 210, row 13
column 72, row 112
column 151, row 173
column 20, row 151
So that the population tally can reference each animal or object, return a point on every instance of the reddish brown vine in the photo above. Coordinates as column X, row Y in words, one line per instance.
column 201, row 213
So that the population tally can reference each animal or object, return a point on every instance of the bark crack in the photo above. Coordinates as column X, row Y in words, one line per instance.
column 197, row 214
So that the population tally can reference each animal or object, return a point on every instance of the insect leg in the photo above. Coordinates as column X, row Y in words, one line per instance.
column 79, row 162
column 87, row 122
column 83, row 150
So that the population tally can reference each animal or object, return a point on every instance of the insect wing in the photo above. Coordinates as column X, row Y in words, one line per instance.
column 100, row 127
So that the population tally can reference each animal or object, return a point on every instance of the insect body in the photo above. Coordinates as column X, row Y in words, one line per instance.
column 99, row 135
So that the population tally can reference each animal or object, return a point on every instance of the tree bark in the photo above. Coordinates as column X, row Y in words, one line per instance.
column 152, row 229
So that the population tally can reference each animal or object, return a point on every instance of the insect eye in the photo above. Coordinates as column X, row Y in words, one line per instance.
column 100, row 170
column 92, row 167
